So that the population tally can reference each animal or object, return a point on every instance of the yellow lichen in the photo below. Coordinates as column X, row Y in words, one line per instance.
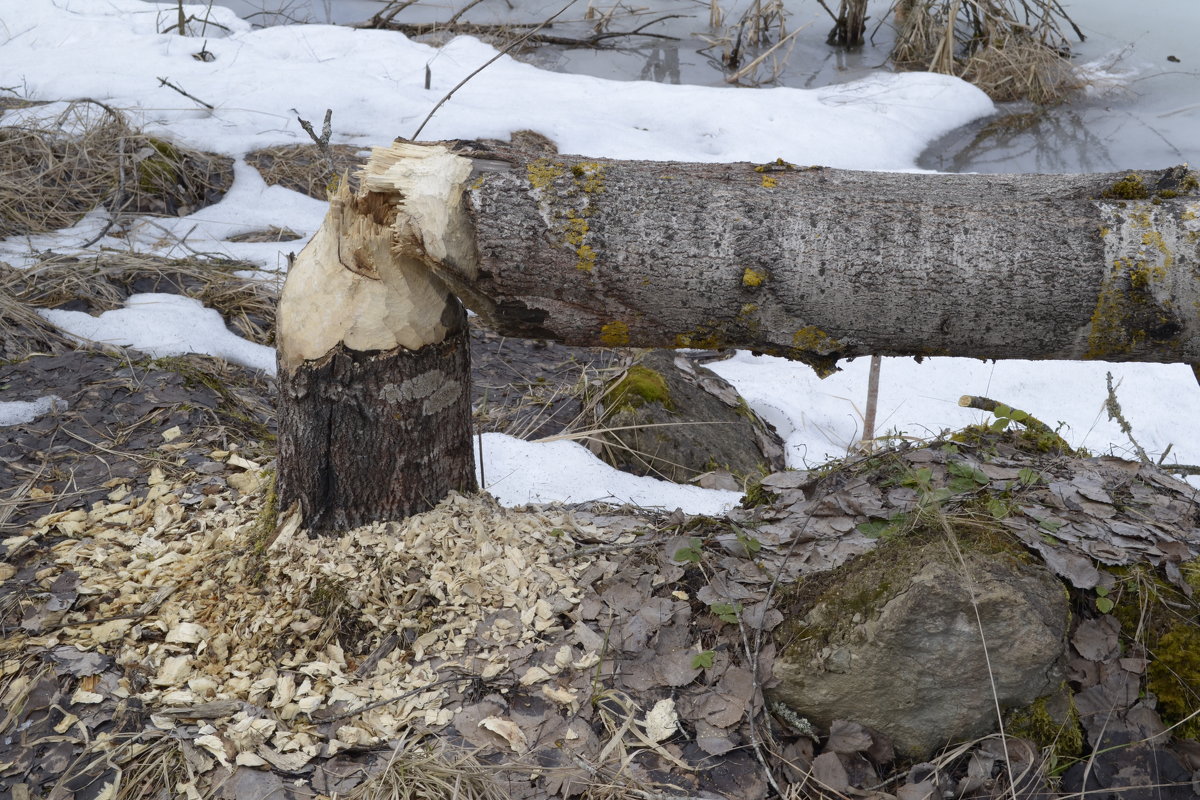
column 1155, row 239
column 543, row 172
column 704, row 338
column 587, row 258
column 769, row 182
column 614, row 334
column 815, row 340
column 589, row 176
column 1127, row 313
column 753, row 277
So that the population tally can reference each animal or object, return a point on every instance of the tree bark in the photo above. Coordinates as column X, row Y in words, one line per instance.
column 819, row 264
column 374, row 358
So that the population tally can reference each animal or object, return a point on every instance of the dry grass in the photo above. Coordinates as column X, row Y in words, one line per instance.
column 104, row 282
column 305, row 168
column 58, row 162
column 430, row 770
column 1012, row 49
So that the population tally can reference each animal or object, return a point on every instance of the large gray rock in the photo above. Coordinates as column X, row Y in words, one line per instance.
column 891, row 640
column 671, row 418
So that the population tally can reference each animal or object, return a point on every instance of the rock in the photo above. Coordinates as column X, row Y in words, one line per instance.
column 891, row 640
column 651, row 411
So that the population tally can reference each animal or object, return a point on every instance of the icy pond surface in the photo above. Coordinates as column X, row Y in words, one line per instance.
column 1142, row 111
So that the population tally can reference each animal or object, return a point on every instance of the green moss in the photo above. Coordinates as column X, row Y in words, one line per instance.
column 1131, row 187
column 641, row 385
column 1174, row 678
column 815, row 347
column 587, row 180
column 262, row 532
column 862, row 584
column 1056, row 729
column 1156, row 616
column 161, row 169
column 756, row 495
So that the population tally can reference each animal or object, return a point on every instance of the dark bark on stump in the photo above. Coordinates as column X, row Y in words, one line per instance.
column 375, row 436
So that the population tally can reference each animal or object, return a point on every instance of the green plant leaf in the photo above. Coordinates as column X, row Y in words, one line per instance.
column 1104, row 604
column 703, row 660
column 997, row 508
column 1050, row 524
column 1029, row 476
column 1101, row 591
column 751, row 544
column 691, row 553
column 874, row 529
column 999, row 424
column 726, row 612
column 960, row 485
column 1017, row 415
column 1002, row 410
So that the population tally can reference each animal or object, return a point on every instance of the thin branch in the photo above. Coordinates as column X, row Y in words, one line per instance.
column 169, row 85
column 487, row 64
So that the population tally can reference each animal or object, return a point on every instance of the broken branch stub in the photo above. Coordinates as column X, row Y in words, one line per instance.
column 373, row 349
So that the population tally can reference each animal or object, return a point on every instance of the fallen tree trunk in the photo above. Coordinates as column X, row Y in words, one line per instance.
column 808, row 263
column 820, row 264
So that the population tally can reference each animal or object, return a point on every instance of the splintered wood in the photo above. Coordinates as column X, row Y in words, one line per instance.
column 361, row 630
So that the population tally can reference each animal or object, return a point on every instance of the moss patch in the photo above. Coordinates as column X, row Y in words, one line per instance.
column 1131, row 187
column 1174, row 677
column 1052, row 722
column 639, row 386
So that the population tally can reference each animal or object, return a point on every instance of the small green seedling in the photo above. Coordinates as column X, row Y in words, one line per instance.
column 726, row 612
column 1104, row 603
column 691, row 553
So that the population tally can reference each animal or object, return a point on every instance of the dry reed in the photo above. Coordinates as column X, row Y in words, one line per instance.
column 60, row 161
column 1012, row 49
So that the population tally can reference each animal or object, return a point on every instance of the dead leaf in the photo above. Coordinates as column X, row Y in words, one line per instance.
column 662, row 721
column 507, row 730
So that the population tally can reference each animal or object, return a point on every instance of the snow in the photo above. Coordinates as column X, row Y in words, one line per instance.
column 18, row 412
column 165, row 325
column 260, row 80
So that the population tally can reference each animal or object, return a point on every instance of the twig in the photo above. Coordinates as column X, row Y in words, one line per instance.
column 326, row 129
column 386, row 646
column 1113, row 407
column 117, row 197
column 379, row 703
column 487, row 64
column 1181, row 469
column 746, row 70
column 164, row 82
column 872, row 401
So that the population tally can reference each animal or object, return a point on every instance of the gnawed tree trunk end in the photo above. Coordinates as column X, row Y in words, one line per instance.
column 374, row 353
